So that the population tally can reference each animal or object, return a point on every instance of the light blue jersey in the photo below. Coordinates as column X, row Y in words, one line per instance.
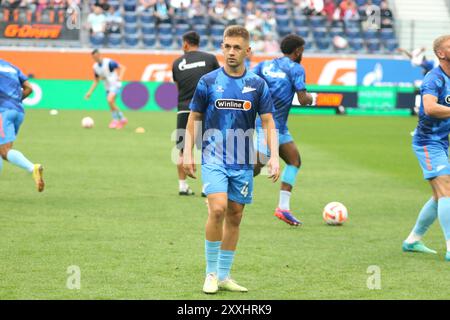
column 430, row 141
column 430, row 129
column 11, row 80
column 284, row 78
column 230, row 104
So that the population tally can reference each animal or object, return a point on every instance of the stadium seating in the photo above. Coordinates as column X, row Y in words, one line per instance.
column 166, row 41
column 302, row 31
column 114, row 40
column 131, row 40
column 130, row 28
column 141, row 27
column 149, row 40
column 148, row 28
column 356, row 45
column 373, row 45
column 97, row 40
column 390, row 45
column 146, row 17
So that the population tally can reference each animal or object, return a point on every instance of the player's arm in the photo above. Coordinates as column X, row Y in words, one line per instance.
column 433, row 109
column 26, row 89
column 190, row 137
column 92, row 88
column 198, row 107
column 306, row 98
column 271, row 134
column 409, row 55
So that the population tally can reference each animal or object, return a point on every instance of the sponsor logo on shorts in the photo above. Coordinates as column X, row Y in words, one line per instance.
column 447, row 99
column 233, row 104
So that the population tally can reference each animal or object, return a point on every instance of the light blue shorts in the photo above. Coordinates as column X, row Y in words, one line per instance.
column 10, row 121
column 433, row 159
column 261, row 144
column 238, row 184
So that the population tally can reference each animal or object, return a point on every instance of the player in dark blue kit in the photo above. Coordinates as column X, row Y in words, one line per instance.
column 430, row 144
column 228, row 101
column 14, row 87
column 285, row 77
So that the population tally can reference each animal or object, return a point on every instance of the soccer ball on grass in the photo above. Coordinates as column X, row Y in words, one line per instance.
column 87, row 122
column 335, row 213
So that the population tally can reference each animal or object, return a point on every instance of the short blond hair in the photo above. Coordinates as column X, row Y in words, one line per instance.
column 439, row 41
column 237, row 31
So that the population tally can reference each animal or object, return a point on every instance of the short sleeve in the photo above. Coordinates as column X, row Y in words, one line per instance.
column 199, row 101
column 298, row 77
column 21, row 76
column 113, row 65
column 431, row 85
column 265, row 100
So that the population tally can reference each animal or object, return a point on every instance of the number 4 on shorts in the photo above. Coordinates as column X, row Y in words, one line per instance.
column 244, row 190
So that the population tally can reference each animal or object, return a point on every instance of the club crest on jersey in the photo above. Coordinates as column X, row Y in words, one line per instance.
column 232, row 104
column 447, row 99
column 219, row 89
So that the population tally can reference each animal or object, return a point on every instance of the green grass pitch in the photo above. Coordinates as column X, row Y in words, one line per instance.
column 111, row 207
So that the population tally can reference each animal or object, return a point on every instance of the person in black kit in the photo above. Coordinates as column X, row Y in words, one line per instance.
column 186, row 72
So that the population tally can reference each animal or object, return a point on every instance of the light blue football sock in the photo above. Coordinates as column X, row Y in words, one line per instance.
column 17, row 158
column 115, row 116
column 120, row 115
column 444, row 216
column 212, row 255
column 1, row 164
column 426, row 217
column 225, row 262
column 289, row 174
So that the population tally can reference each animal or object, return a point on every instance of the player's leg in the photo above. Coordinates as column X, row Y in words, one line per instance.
column 119, row 119
column 10, row 122
column 240, row 190
column 433, row 160
column 183, row 186
column 216, row 187
column 442, row 186
column 291, row 156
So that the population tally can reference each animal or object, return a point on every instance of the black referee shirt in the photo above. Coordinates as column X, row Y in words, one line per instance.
column 187, row 71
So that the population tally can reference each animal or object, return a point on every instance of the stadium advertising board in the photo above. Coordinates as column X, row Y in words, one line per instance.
column 162, row 96
column 367, row 84
column 144, row 66
column 386, row 72
column 35, row 31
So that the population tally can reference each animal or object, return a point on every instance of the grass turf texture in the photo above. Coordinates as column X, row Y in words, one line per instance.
column 111, row 207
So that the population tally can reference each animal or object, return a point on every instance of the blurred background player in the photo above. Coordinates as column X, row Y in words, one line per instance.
column 228, row 100
column 186, row 72
column 112, row 73
column 418, row 59
column 430, row 144
column 14, row 87
column 285, row 77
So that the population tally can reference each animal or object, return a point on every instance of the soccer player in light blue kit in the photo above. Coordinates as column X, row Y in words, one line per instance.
column 285, row 77
column 14, row 87
column 228, row 100
column 430, row 144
